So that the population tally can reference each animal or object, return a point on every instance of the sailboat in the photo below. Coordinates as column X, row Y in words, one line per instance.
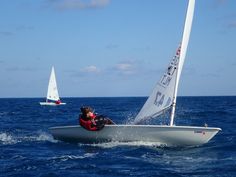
column 161, row 99
column 53, row 98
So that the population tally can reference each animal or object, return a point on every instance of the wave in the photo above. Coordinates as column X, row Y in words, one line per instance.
column 6, row 139
column 9, row 113
column 9, row 139
column 44, row 136
column 73, row 157
column 133, row 143
column 3, row 114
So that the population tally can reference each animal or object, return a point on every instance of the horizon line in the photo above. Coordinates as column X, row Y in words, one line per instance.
column 116, row 96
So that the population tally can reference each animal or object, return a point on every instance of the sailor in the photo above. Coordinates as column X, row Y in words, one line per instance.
column 58, row 102
column 90, row 121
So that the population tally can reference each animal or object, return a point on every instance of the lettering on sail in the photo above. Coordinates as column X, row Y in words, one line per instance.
column 165, row 81
column 168, row 75
column 159, row 99
column 168, row 102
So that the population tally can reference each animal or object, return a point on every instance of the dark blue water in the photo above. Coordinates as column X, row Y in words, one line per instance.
column 27, row 148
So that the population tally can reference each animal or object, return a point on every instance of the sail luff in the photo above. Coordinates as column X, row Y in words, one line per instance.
column 184, row 46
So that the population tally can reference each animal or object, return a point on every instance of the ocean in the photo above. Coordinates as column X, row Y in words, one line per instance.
column 28, row 149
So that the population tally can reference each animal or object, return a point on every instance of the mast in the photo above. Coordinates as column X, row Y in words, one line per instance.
column 184, row 45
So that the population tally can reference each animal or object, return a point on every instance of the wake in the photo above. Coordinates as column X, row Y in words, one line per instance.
column 40, row 136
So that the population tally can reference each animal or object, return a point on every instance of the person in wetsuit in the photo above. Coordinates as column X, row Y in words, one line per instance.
column 92, row 121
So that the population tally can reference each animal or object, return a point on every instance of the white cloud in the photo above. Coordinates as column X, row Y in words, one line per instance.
column 126, row 67
column 78, row 4
column 91, row 69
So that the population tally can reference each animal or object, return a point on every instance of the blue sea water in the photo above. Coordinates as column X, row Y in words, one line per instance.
column 28, row 149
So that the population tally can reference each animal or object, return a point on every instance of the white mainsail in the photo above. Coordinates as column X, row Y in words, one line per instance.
column 162, row 96
column 52, row 87
column 165, row 93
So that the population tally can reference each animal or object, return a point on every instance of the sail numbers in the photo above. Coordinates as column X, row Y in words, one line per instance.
column 165, row 80
column 159, row 99
column 167, row 77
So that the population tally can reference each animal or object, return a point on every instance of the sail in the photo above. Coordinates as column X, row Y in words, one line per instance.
column 162, row 95
column 52, row 87
column 165, row 93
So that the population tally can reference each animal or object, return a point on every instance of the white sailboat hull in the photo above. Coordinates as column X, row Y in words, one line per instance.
column 50, row 104
column 166, row 135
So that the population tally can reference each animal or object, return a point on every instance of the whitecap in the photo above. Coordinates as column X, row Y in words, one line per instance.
column 40, row 136
column 73, row 157
column 44, row 136
column 6, row 139
column 133, row 143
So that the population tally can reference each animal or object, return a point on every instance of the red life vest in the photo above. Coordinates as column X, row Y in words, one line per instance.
column 87, row 123
column 58, row 102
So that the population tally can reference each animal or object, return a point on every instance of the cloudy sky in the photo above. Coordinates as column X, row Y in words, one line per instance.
column 114, row 47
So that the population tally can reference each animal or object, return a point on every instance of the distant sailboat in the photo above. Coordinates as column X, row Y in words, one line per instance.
column 53, row 98
column 162, row 98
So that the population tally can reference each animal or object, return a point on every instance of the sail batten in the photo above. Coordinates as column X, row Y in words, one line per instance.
column 165, row 92
column 157, row 114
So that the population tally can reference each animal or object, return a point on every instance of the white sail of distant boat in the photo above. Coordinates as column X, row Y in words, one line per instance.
column 52, row 94
column 162, row 98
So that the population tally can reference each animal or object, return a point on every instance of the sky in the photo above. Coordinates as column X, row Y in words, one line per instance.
column 105, row 48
